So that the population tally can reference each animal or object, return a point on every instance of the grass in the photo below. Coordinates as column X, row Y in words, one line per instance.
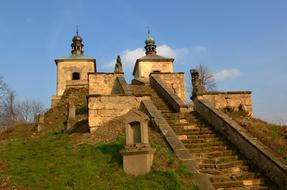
column 53, row 161
column 273, row 136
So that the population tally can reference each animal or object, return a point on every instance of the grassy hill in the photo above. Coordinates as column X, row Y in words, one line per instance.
column 55, row 160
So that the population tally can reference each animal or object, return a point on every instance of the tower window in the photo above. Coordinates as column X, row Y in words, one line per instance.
column 76, row 76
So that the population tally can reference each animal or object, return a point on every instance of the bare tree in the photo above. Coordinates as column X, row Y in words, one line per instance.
column 7, row 100
column 3, row 89
column 12, row 110
column 26, row 110
column 206, row 77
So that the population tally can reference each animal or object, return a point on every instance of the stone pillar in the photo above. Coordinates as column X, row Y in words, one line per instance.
column 197, row 85
column 137, row 154
column 71, row 115
column 40, row 121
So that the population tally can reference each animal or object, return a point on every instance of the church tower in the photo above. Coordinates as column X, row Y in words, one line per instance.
column 151, row 62
column 73, row 70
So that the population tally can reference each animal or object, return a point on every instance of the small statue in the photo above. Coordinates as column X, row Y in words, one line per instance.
column 197, row 84
column 118, row 65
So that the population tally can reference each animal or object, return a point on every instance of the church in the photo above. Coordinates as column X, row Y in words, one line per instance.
column 156, row 98
column 109, row 94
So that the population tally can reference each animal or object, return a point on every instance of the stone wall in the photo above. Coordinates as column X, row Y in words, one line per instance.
column 175, row 81
column 104, row 83
column 230, row 100
column 251, row 147
column 167, row 93
column 122, row 85
column 76, row 83
column 66, row 68
column 105, row 108
column 55, row 100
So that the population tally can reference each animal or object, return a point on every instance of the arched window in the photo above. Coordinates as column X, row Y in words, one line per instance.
column 76, row 76
column 136, row 132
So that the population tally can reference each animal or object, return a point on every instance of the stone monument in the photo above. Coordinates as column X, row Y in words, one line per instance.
column 197, row 85
column 71, row 115
column 118, row 65
column 137, row 154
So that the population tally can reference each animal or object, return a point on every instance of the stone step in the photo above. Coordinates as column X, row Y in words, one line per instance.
column 189, row 127
column 201, row 140
column 203, row 145
column 243, row 183
column 228, row 184
column 245, row 188
column 240, row 176
column 213, row 153
column 175, row 123
column 190, row 117
column 192, row 132
column 208, row 136
column 258, row 187
column 222, row 165
column 230, row 171
column 215, row 160
column 251, row 182
column 207, row 149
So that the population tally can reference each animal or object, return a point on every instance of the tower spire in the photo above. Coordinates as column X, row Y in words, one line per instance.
column 77, row 45
column 77, row 30
column 148, row 32
column 150, row 47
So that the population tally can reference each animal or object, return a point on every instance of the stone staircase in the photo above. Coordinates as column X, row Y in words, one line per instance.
column 147, row 90
column 225, row 167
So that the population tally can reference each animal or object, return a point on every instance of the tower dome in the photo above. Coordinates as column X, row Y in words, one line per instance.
column 77, row 45
column 150, row 46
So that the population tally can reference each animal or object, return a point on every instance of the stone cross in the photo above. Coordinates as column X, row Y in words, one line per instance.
column 71, row 114
column 40, row 121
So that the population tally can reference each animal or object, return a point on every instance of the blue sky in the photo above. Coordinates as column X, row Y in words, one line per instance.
column 243, row 42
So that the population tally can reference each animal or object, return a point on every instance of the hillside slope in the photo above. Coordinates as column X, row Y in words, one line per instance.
column 53, row 159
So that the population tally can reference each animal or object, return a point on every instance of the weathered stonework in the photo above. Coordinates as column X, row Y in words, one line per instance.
column 178, row 147
column 137, row 153
column 230, row 100
column 175, row 81
column 167, row 93
column 55, row 100
column 251, row 147
column 40, row 119
column 104, row 108
column 71, row 115
column 104, row 83
column 77, row 83
column 145, row 67
column 66, row 68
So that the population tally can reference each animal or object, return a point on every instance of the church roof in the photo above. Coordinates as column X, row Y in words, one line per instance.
column 74, row 57
column 154, row 58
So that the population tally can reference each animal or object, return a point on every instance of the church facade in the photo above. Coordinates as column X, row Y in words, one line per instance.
column 110, row 96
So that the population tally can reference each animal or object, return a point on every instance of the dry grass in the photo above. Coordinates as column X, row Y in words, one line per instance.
column 273, row 136
column 18, row 130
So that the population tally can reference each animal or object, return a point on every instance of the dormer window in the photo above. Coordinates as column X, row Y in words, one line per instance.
column 76, row 76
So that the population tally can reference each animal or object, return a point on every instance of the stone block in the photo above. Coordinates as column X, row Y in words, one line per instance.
column 182, row 137
column 137, row 162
